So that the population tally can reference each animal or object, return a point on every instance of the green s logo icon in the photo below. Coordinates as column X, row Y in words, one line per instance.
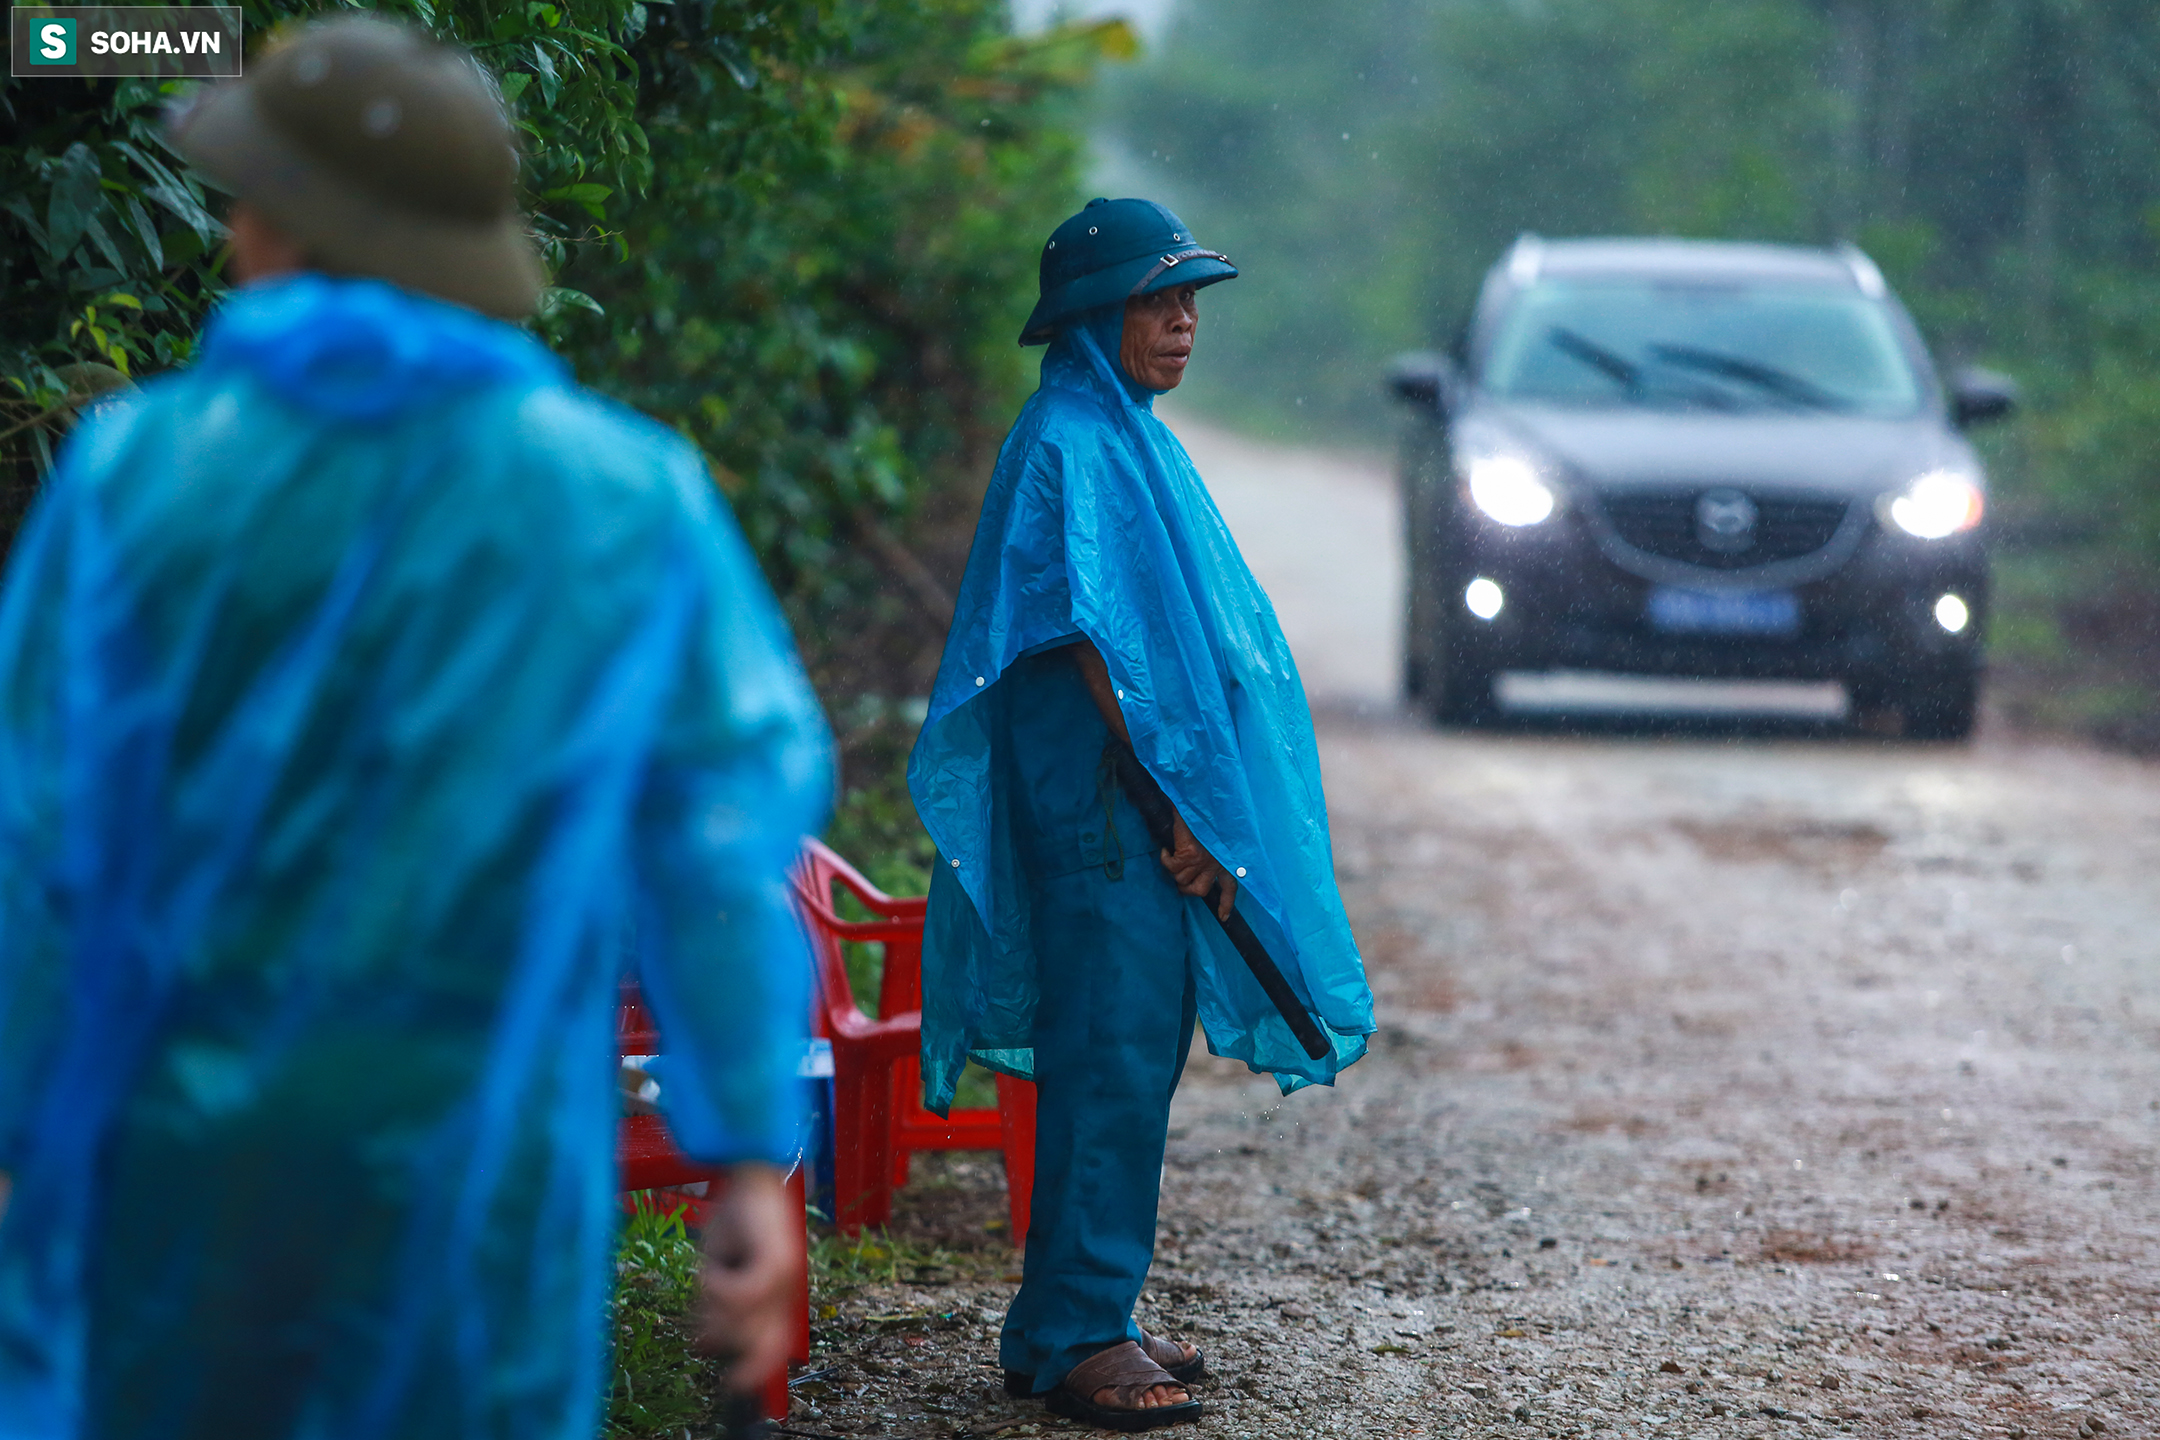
column 52, row 42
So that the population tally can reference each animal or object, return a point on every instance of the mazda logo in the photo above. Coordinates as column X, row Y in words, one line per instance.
column 1725, row 521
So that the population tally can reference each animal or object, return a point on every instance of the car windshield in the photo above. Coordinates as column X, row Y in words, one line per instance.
column 1727, row 347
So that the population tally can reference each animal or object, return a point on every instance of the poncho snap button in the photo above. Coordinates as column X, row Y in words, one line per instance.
column 1121, row 694
column 956, row 864
column 978, row 682
column 1241, row 872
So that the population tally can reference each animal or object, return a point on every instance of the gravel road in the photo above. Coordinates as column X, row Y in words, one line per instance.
column 1729, row 1086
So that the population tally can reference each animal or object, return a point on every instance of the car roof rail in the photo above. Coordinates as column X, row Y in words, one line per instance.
column 1525, row 259
column 1865, row 273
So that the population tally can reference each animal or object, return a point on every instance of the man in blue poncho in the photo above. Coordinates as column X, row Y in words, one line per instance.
column 1105, row 607
column 362, row 687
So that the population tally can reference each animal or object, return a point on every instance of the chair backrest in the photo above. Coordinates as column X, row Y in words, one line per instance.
column 899, row 928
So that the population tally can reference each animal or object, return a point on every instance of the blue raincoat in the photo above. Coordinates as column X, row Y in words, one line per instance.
column 1096, row 524
column 361, row 689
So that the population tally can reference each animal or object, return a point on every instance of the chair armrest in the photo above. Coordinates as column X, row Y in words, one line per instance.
column 868, row 932
column 822, row 866
column 899, row 1036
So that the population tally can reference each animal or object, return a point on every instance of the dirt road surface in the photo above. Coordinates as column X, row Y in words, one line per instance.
column 1724, row 1087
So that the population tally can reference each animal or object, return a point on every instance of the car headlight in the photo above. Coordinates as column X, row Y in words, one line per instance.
column 1939, row 503
column 1508, row 489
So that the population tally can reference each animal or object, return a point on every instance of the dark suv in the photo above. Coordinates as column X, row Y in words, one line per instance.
column 1682, row 458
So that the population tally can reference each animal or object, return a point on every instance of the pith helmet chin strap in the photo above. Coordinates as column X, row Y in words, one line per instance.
column 1168, row 261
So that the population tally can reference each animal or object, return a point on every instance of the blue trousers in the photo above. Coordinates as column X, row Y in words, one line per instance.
column 1112, row 1029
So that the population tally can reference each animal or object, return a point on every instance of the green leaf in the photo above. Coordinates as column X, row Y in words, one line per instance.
column 103, row 241
column 77, row 198
column 738, row 63
column 513, row 85
column 544, row 67
column 584, row 193
column 19, row 207
column 146, row 232
column 558, row 298
column 184, row 247
column 171, row 193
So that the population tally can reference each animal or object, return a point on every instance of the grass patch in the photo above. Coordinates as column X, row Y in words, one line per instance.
column 2070, row 646
column 839, row 1266
column 662, row 1386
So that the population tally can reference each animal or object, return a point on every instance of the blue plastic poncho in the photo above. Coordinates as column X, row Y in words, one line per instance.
column 1096, row 524
column 361, row 689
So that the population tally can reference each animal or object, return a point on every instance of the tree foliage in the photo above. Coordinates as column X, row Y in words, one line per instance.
column 799, row 231
column 110, row 249
column 1366, row 161
column 840, row 336
column 1372, row 160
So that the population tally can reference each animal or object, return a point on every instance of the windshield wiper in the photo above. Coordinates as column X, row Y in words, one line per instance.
column 1625, row 371
column 1607, row 362
column 1781, row 383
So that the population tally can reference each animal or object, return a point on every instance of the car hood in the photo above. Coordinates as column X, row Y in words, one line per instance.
column 1629, row 448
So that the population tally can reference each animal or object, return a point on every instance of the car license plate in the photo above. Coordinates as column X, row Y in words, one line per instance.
column 1678, row 611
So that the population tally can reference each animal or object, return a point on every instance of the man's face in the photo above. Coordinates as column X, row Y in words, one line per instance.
column 1159, row 335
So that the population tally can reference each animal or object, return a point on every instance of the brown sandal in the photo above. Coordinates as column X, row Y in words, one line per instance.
column 1170, row 1354
column 1128, row 1374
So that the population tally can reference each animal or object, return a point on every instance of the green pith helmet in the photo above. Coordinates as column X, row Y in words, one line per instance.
column 1110, row 251
column 382, row 152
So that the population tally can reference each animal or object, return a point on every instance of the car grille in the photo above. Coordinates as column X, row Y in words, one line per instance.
column 1663, row 523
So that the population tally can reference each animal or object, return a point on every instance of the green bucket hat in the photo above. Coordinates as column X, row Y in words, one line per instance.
column 1111, row 251
column 382, row 152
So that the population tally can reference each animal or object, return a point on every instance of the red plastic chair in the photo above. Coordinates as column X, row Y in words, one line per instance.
column 647, row 1160
column 1016, row 1117
column 879, row 1119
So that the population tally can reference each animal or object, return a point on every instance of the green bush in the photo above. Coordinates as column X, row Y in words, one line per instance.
column 110, row 249
column 801, row 234
column 837, row 332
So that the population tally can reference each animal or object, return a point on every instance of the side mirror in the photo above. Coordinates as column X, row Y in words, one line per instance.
column 1424, row 378
column 1978, row 396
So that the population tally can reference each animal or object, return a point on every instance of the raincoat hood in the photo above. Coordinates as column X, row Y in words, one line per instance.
column 361, row 350
column 1095, row 524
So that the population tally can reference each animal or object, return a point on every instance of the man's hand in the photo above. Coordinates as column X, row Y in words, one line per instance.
column 1197, row 872
column 1188, row 861
column 752, row 1273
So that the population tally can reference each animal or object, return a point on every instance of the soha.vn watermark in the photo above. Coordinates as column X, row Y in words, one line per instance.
column 199, row 41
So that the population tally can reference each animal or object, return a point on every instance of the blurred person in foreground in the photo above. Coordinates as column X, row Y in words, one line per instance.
column 1104, row 605
column 361, row 688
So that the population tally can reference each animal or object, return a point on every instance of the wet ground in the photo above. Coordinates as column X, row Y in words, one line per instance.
column 1738, row 1083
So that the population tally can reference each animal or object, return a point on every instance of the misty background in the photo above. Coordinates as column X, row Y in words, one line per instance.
column 1365, row 161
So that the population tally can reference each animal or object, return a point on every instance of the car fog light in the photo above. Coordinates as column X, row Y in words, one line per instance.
column 1952, row 613
column 1483, row 598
